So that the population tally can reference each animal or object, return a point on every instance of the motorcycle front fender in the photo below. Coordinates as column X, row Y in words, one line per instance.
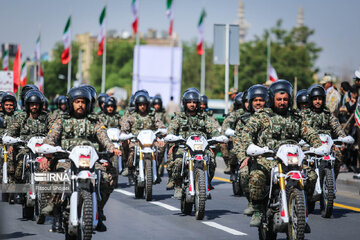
column 73, row 219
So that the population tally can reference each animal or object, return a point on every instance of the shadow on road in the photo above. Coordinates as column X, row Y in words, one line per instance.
column 213, row 214
column 162, row 197
column 15, row 235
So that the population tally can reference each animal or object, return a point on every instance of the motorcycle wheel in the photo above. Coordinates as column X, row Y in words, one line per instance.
column 148, row 179
column 186, row 207
column 85, row 213
column 236, row 186
column 296, row 206
column 40, row 203
column 265, row 231
column 27, row 212
column 200, row 194
column 139, row 191
column 328, row 195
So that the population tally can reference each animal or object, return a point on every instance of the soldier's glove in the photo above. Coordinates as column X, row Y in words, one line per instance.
column 229, row 132
column 347, row 139
column 222, row 139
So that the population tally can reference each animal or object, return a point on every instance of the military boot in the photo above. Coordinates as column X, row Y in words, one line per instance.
column 47, row 210
column 227, row 163
column 256, row 216
column 57, row 221
column 131, row 177
column 170, row 184
column 101, row 226
column 178, row 189
column 125, row 172
column 249, row 210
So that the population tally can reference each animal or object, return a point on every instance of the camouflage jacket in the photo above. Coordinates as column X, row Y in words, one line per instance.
column 54, row 115
column 266, row 128
column 110, row 121
column 185, row 125
column 135, row 122
column 6, row 121
column 241, row 122
column 162, row 116
column 231, row 119
column 69, row 132
column 25, row 127
column 324, row 122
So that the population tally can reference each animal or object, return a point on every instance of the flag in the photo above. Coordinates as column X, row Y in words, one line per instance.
column 170, row 14
column 101, row 37
column 37, row 50
column 5, row 61
column 40, row 82
column 23, row 78
column 200, row 42
column 357, row 113
column 65, row 56
column 272, row 74
column 17, row 69
column 134, row 8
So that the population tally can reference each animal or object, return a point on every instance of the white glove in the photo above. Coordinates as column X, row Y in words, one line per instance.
column 172, row 138
column 162, row 130
column 322, row 150
column 229, row 132
column 347, row 139
column 254, row 150
column 222, row 139
column 302, row 142
column 124, row 136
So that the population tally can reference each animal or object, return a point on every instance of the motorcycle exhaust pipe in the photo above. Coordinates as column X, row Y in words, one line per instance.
column 120, row 164
column 95, row 212
column 73, row 218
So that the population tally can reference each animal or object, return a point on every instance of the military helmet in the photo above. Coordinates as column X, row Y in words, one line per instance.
column 132, row 101
column 33, row 96
column 101, row 99
column 24, row 90
column 1, row 96
column 79, row 92
column 257, row 91
column 109, row 101
column 280, row 86
column 142, row 97
column 46, row 103
column 238, row 101
column 204, row 99
column 9, row 97
column 302, row 97
column 62, row 100
column 191, row 94
column 316, row 91
column 92, row 92
column 157, row 100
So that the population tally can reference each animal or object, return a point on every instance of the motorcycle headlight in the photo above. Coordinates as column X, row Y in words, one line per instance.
column 292, row 159
column 84, row 161
column 37, row 146
column 198, row 147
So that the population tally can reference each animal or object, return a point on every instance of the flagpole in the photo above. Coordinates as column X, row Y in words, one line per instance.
column 202, row 85
column 70, row 55
column 268, row 57
column 137, row 74
column 103, row 76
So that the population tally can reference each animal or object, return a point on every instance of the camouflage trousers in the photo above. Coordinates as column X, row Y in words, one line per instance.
column 225, row 153
column 130, row 162
column 176, row 165
column 338, row 161
column 19, row 162
column 244, row 180
column 260, row 177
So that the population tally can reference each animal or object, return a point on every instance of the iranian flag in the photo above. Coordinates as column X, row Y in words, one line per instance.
column 200, row 42
column 101, row 37
column 65, row 56
column 37, row 50
column 357, row 113
column 23, row 76
column 272, row 74
column 134, row 8
column 40, row 82
column 170, row 14
column 5, row 61
column 17, row 69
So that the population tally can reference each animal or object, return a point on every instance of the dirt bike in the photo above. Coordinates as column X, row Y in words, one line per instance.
column 325, row 188
column 195, row 164
column 80, row 215
column 285, row 210
column 235, row 173
column 114, row 136
column 145, row 161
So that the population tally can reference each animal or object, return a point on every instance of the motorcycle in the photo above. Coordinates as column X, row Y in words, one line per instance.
column 325, row 188
column 285, row 210
column 114, row 136
column 80, row 205
column 235, row 173
column 145, row 161
column 195, row 186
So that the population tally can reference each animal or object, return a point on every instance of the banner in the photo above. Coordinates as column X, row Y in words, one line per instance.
column 6, row 81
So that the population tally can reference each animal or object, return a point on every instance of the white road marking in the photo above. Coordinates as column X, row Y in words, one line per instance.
column 168, row 207
column 226, row 229
column 124, row 192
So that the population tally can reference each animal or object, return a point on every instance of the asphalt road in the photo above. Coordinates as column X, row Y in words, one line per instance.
column 130, row 218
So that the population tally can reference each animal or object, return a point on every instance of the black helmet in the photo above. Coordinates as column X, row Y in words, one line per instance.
column 157, row 100
column 92, row 92
column 79, row 92
column 132, row 101
column 302, row 97
column 109, row 101
column 33, row 96
column 62, row 100
column 24, row 90
column 101, row 99
column 142, row 97
column 9, row 97
column 204, row 99
column 280, row 86
column 1, row 96
column 238, row 101
column 257, row 91
column 316, row 91
column 46, row 103
column 191, row 94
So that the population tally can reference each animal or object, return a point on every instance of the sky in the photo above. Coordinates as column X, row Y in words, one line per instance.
column 335, row 22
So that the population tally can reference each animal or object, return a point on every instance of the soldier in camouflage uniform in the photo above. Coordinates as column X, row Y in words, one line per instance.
column 302, row 99
column 191, row 121
column 322, row 120
column 32, row 122
column 272, row 127
column 101, row 100
column 62, row 106
column 258, row 97
column 143, row 118
column 74, row 129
